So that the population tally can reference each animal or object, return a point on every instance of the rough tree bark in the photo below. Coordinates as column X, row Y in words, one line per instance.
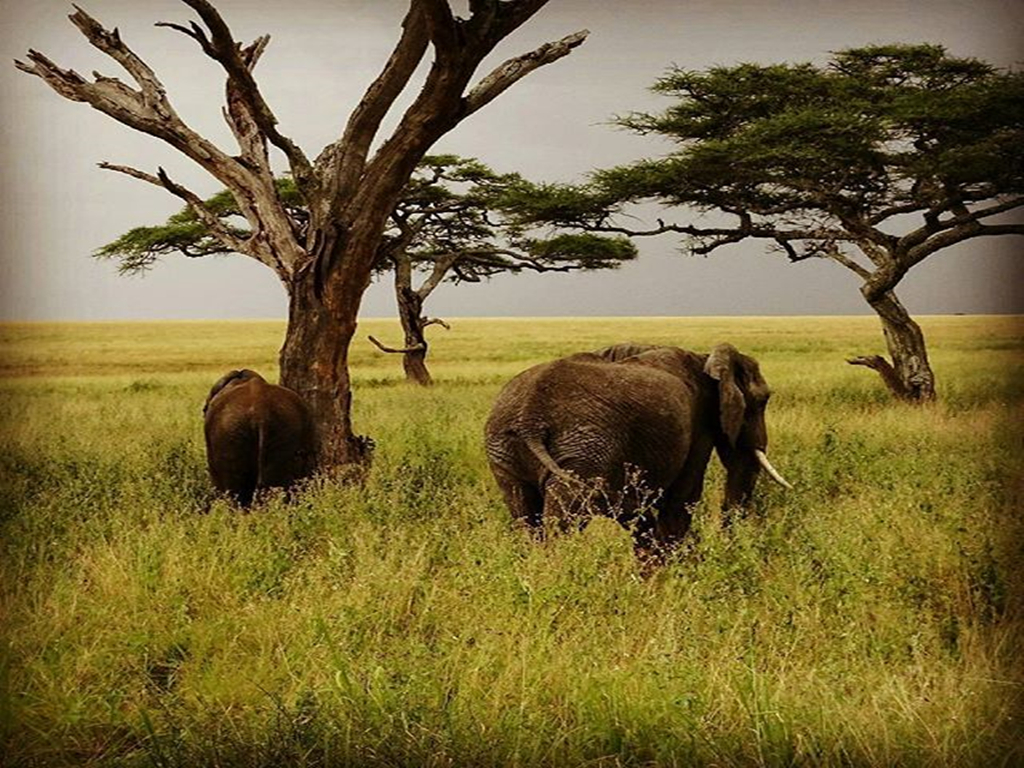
column 414, row 356
column 909, row 376
column 409, row 301
column 325, row 262
column 414, row 353
column 908, row 373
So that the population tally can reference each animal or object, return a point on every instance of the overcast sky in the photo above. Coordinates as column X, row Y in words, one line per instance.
column 58, row 206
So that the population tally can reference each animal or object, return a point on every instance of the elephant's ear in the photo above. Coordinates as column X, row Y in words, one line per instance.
column 721, row 366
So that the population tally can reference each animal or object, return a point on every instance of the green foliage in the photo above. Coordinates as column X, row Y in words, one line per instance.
column 140, row 248
column 453, row 209
column 814, row 156
column 557, row 203
column 460, row 211
column 591, row 251
column 870, row 617
column 873, row 119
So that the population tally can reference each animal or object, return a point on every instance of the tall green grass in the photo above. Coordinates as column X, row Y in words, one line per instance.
column 871, row 616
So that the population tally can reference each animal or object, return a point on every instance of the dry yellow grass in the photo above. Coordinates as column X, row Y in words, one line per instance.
column 870, row 617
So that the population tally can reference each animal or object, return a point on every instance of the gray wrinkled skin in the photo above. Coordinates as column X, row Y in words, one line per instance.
column 627, row 431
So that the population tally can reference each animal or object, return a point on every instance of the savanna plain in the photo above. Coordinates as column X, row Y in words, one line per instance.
column 871, row 616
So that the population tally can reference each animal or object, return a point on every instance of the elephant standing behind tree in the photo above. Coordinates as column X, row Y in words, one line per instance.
column 563, row 436
column 258, row 436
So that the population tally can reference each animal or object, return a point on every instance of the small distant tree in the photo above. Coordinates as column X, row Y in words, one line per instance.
column 445, row 227
column 875, row 161
column 448, row 227
column 349, row 189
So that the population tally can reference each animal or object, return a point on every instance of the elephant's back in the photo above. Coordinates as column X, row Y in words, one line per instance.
column 231, row 434
column 589, row 413
column 579, row 387
column 586, row 387
column 285, row 405
column 613, row 414
column 257, row 406
column 232, row 409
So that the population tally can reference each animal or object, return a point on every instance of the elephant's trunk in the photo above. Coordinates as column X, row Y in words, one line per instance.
column 773, row 473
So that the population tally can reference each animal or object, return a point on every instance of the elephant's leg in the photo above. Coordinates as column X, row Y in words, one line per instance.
column 523, row 500
column 742, row 469
column 233, row 469
column 571, row 503
column 673, row 524
column 282, row 460
column 656, row 534
column 676, row 511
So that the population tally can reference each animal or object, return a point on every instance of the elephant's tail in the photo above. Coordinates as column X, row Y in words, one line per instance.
column 261, row 453
column 538, row 449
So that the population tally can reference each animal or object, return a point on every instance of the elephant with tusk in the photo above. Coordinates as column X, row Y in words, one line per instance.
column 258, row 435
column 579, row 435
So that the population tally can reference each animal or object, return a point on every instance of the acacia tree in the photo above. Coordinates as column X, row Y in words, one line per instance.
column 876, row 161
column 444, row 227
column 326, row 260
column 447, row 228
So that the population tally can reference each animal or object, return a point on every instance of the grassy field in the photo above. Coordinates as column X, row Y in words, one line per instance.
column 873, row 616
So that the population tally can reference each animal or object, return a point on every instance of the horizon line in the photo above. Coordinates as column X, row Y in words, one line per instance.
column 55, row 321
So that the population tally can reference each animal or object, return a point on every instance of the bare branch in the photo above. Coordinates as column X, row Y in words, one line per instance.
column 440, row 270
column 888, row 373
column 153, row 94
column 209, row 219
column 393, row 350
column 514, row 261
column 133, row 172
column 966, row 231
column 493, row 20
column 833, row 252
column 823, row 250
column 963, row 216
column 66, row 82
column 238, row 113
column 440, row 105
column 435, row 321
column 347, row 156
column 441, row 25
column 194, row 31
column 896, row 210
column 517, row 12
column 513, row 70
column 146, row 110
column 740, row 233
column 221, row 46
column 994, row 210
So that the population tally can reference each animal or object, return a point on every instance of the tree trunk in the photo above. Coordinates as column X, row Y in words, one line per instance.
column 909, row 376
column 414, row 356
column 314, row 363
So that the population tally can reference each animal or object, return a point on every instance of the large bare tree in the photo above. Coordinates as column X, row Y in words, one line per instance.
column 325, row 260
column 447, row 227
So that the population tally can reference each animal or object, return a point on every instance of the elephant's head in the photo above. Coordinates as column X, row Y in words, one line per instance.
column 229, row 379
column 742, row 440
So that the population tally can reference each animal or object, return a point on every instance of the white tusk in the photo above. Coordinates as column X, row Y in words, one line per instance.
column 772, row 472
